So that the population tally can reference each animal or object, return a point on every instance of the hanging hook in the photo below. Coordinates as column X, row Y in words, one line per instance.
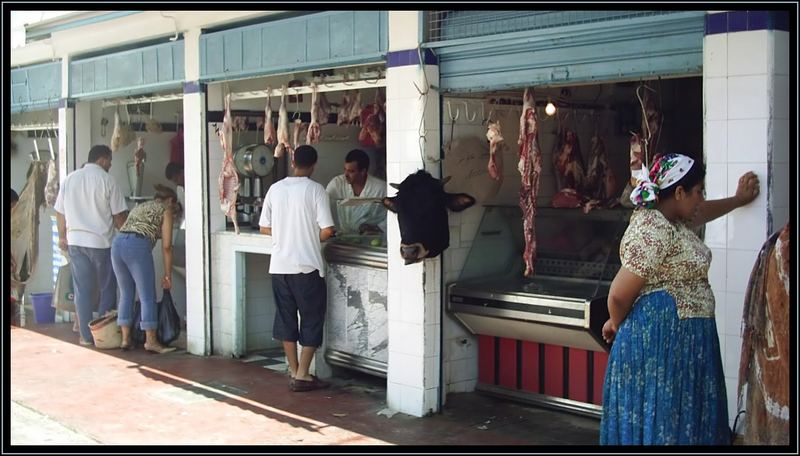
column 450, row 112
column 466, row 112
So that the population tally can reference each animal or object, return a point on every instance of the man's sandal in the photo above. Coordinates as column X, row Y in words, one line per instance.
column 160, row 349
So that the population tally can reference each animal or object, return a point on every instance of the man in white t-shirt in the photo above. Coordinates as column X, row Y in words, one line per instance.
column 356, row 182
column 88, row 208
column 296, row 213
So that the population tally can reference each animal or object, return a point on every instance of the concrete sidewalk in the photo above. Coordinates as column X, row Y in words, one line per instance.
column 81, row 395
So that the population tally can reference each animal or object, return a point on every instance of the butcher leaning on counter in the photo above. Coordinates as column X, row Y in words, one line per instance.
column 357, row 183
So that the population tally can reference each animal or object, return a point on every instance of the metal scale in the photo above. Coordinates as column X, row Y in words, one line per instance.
column 255, row 165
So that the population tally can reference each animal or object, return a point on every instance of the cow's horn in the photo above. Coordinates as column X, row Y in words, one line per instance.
column 446, row 180
column 395, row 186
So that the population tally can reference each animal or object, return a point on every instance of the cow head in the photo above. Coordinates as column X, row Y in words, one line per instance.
column 421, row 206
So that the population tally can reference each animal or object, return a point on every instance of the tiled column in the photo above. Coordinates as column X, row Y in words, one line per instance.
column 414, row 301
column 745, row 80
column 198, row 257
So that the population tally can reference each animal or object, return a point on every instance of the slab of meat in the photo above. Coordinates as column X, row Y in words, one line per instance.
column 51, row 188
column 343, row 114
column 283, row 129
column 228, row 177
column 355, row 109
column 313, row 128
column 323, row 109
column 122, row 135
column 139, row 157
column 529, row 166
column 270, row 136
column 636, row 162
column 496, row 146
column 373, row 119
column 601, row 182
column 568, row 161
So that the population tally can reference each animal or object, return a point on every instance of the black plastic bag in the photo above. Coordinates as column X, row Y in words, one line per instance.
column 169, row 322
column 137, row 335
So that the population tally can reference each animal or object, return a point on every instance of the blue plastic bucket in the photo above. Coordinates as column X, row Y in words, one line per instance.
column 43, row 310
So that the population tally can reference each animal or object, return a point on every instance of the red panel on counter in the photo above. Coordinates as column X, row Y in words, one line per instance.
column 554, row 370
column 600, row 362
column 508, row 363
column 486, row 359
column 530, row 366
column 578, row 371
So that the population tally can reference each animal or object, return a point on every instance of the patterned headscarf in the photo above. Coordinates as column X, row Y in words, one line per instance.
column 666, row 171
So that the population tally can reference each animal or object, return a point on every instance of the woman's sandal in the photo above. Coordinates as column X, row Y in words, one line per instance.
column 160, row 349
column 125, row 347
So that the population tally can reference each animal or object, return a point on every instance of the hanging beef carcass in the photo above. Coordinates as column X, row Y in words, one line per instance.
column 323, row 109
column 283, row 128
column 343, row 114
column 529, row 166
column 601, row 182
column 496, row 146
column 122, row 135
column 25, row 225
column 270, row 136
column 373, row 119
column 568, row 161
column 355, row 109
column 139, row 157
column 228, row 177
column 313, row 127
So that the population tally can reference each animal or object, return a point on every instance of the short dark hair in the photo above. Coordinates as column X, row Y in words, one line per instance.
column 358, row 156
column 305, row 156
column 14, row 196
column 173, row 169
column 99, row 151
column 694, row 176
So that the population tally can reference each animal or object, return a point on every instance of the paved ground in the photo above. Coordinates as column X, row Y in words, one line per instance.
column 64, row 393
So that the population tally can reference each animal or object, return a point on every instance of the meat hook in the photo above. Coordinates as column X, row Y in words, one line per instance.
column 466, row 112
column 450, row 112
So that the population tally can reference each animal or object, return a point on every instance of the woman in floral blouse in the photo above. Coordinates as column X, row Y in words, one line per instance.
column 664, row 382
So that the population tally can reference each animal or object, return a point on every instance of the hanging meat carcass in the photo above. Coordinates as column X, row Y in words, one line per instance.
column 568, row 161
column 323, row 109
column 636, row 163
column 51, row 188
column 139, row 157
column 122, row 135
column 313, row 128
column 25, row 225
column 270, row 136
column 283, row 128
column 651, row 123
column 496, row 147
column 530, row 167
column 228, row 177
column 355, row 109
column 373, row 119
column 601, row 182
column 343, row 114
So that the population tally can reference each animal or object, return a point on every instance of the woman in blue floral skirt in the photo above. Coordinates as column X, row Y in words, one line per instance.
column 664, row 382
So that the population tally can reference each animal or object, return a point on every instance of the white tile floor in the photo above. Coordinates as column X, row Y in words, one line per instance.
column 273, row 359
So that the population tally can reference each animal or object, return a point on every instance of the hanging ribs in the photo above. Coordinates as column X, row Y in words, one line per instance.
column 228, row 177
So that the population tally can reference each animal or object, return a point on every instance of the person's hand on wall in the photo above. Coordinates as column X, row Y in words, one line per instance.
column 748, row 188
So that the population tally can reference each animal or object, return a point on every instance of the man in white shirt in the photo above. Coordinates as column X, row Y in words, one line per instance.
column 296, row 213
column 356, row 182
column 88, row 208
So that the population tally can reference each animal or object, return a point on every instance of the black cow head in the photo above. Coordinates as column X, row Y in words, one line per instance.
column 421, row 206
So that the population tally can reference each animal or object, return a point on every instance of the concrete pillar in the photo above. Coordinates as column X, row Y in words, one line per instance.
column 414, row 301
column 745, row 100
column 198, row 256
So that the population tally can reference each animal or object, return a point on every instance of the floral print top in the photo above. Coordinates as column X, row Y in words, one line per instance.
column 146, row 219
column 670, row 257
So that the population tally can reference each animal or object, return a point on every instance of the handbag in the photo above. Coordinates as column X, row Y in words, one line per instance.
column 169, row 322
column 63, row 294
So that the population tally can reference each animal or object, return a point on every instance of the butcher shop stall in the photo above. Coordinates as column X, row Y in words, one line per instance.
column 253, row 125
column 541, row 135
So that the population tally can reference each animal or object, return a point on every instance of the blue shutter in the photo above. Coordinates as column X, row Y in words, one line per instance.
column 36, row 87
column 476, row 55
column 320, row 40
column 143, row 70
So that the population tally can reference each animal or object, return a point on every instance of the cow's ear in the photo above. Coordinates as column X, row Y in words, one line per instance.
column 457, row 202
column 389, row 203
column 394, row 186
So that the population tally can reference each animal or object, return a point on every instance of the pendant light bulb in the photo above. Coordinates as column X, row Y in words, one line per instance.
column 550, row 109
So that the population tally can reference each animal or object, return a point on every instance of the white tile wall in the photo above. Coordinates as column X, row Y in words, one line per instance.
column 716, row 98
column 715, row 55
column 716, row 141
column 731, row 385
column 780, row 87
column 734, row 306
column 781, row 57
column 747, row 228
column 411, row 336
column 780, row 141
column 780, row 215
column 760, row 168
column 748, row 139
column 747, row 97
column 431, row 400
column 731, row 354
column 412, row 400
column 716, row 181
column 739, row 265
column 402, row 28
column 717, row 233
column 719, row 309
column 719, row 264
column 432, row 309
column 747, row 53
column 406, row 369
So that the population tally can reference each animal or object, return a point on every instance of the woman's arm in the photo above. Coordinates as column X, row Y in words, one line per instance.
column 624, row 290
column 166, row 248
column 746, row 191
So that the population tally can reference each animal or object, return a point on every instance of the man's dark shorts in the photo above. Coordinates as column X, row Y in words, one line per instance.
column 306, row 293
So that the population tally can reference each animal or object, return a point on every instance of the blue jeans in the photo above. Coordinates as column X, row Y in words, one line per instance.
column 132, row 257
column 91, row 269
